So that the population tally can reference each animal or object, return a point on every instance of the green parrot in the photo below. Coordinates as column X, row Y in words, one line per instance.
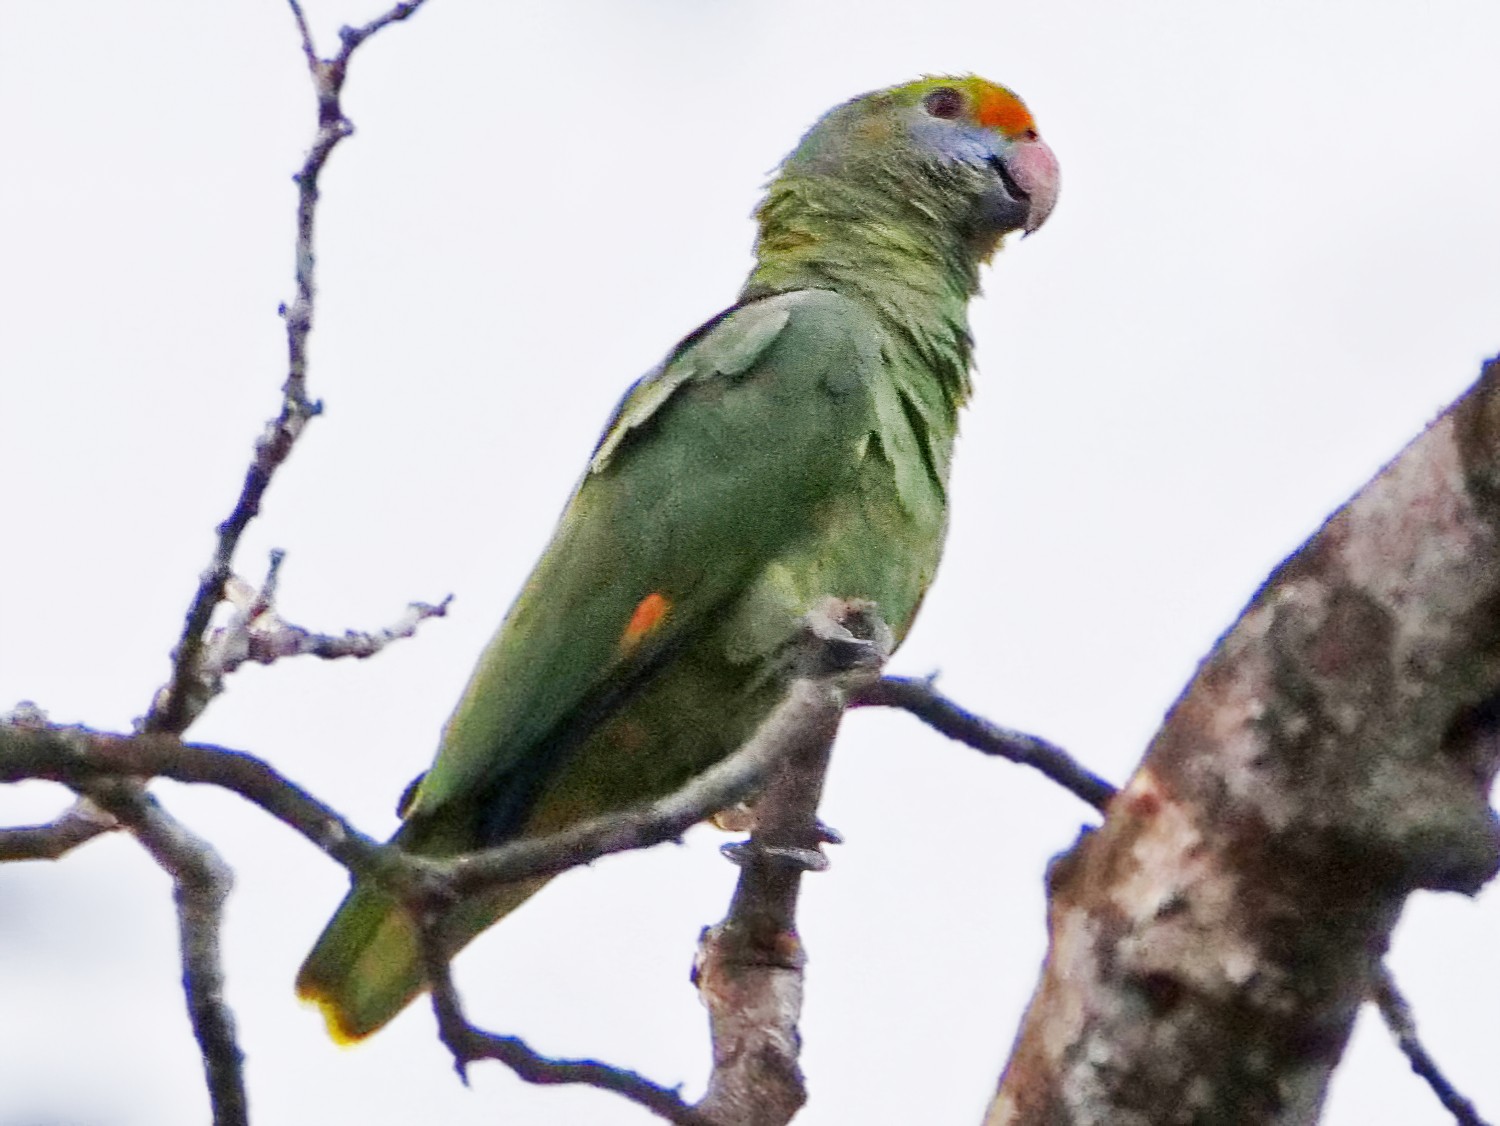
column 795, row 447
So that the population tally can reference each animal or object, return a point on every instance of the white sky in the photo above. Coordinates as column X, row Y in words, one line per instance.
column 1277, row 254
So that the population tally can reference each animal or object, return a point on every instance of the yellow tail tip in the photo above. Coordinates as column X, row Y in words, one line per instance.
column 334, row 1018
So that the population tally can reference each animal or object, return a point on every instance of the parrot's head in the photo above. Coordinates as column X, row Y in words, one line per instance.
column 964, row 145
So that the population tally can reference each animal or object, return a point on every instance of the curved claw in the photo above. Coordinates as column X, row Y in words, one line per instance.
column 745, row 853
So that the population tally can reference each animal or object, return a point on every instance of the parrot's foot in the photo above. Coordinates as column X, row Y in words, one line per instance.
column 854, row 634
column 745, row 853
column 738, row 818
column 741, row 819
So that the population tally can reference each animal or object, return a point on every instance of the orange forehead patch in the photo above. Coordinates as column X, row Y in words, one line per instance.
column 649, row 613
column 995, row 107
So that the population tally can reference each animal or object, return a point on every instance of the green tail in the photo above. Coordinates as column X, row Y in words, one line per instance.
column 365, row 967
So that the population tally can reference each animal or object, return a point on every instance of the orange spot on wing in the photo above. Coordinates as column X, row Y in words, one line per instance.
column 995, row 107
column 649, row 613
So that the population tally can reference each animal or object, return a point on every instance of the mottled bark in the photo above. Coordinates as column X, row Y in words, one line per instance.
column 749, row 968
column 1213, row 940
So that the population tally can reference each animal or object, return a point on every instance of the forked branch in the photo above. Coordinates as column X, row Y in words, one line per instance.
column 191, row 684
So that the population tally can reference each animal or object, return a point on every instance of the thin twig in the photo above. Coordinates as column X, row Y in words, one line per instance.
column 309, row 51
column 75, row 826
column 180, row 702
column 202, row 882
column 1397, row 1014
column 185, row 695
column 469, row 1045
column 352, row 37
column 269, row 639
column 937, row 711
column 79, row 758
column 257, row 632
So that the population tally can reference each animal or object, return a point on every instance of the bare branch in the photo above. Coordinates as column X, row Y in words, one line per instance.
column 110, row 767
column 1397, row 1015
column 188, row 690
column 924, row 701
column 79, row 824
column 293, row 641
column 1213, row 941
column 80, row 758
column 202, row 883
column 749, row 968
column 309, row 51
column 469, row 1044
column 256, row 632
column 352, row 37
column 191, row 685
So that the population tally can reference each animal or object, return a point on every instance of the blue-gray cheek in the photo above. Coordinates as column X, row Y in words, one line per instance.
column 952, row 141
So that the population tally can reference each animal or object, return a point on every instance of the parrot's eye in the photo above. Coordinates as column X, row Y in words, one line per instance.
column 944, row 102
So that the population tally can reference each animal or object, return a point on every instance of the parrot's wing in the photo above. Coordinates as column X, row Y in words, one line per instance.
column 712, row 465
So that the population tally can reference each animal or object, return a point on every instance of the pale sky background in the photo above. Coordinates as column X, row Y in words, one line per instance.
column 1276, row 256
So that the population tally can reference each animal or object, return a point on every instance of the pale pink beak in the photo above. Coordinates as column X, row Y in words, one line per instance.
column 1034, row 169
